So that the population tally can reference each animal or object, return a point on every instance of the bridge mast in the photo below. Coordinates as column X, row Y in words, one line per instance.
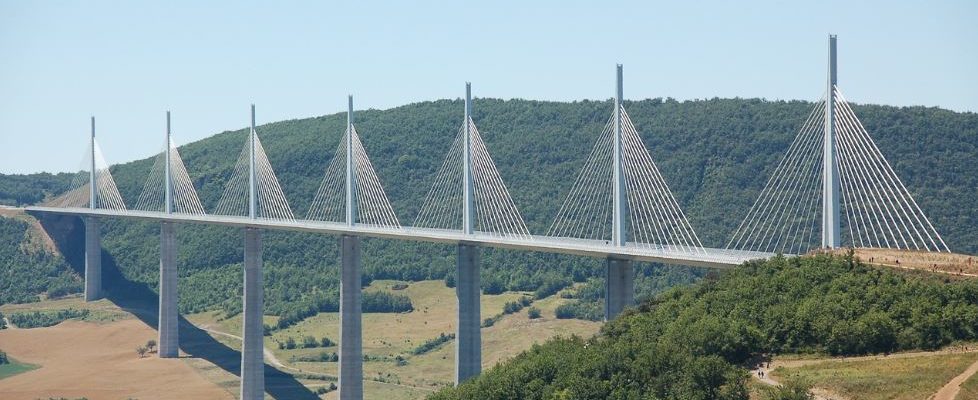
column 618, row 236
column 252, row 175
column 351, row 204
column 830, row 166
column 91, row 177
column 167, row 182
column 468, row 205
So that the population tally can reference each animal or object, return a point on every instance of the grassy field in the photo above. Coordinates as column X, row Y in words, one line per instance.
column 13, row 367
column 392, row 371
column 969, row 389
column 883, row 378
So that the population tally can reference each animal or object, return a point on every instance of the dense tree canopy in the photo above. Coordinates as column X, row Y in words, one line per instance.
column 688, row 342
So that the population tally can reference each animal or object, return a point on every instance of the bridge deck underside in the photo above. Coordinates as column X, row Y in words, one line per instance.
column 692, row 256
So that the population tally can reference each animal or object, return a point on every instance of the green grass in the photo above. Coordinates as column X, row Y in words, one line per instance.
column 885, row 378
column 14, row 367
column 390, row 335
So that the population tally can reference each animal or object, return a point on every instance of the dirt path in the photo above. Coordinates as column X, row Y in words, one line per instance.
column 951, row 389
column 962, row 265
column 948, row 392
column 265, row 351
column 763, row 374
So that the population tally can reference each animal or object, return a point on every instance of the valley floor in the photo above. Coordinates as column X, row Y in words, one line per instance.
column 96, row 357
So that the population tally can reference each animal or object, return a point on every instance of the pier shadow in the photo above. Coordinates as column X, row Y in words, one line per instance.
column 68, row 234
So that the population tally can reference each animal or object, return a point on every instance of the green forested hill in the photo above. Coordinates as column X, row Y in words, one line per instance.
column 715, row 154
column 689, row 342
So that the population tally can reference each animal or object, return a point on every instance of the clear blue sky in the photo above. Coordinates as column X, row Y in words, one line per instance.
column 127, row 62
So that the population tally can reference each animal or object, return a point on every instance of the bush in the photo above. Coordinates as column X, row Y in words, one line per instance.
column 3, row 358
column 322, row 356
column 791, row 390
column 591, row 311
column 432, row 344
column 551, row 286
column 533, row 313
column 309, row 342
column 386, row 302
column 41, row 319
column 512, row 307
column 326, row 342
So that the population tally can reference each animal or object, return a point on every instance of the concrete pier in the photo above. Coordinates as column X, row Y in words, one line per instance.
column 169, row 334
column 93, row 260
column 252, row 364
column 351, row 332
column 619, row 287
column 468, row 337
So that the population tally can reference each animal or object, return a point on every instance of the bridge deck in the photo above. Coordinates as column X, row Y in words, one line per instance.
column 700, row 257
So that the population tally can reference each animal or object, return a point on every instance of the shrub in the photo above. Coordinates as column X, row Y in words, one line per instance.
column 432, row 344
column 533, row 313
column 41, row 319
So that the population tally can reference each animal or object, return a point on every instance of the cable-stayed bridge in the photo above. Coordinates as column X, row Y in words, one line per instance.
column 620, row 208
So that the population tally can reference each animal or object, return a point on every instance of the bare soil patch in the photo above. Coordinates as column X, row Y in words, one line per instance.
column 945, row 263
column 98, row 361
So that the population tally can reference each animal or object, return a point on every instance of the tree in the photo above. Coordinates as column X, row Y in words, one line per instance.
column 141, row 350
column 150, row 345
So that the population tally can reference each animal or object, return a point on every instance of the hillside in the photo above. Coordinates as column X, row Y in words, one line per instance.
column 692, row 342
column 715, row 154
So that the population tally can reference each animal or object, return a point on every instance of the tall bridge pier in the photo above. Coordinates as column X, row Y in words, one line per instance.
column 93, row 260
column 252, row 347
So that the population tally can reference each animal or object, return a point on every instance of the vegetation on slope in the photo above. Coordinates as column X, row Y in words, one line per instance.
column 27, row 269
column 41, row 319
column 20, row 190
column 689, row 342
